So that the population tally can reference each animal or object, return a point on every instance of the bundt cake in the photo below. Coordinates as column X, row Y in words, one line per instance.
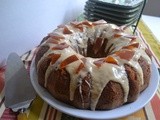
column 93, row 65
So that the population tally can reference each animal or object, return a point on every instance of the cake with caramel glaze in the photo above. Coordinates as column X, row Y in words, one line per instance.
column 93, row 65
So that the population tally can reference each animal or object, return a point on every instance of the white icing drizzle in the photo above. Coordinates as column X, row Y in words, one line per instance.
column 100, row 75
column 74, row 78
column 118, row 44
column 134, row 64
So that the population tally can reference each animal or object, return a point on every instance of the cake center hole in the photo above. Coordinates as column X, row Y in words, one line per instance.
column 95, row 50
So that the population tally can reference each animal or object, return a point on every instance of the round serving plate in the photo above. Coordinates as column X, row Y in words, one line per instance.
column 121, row 111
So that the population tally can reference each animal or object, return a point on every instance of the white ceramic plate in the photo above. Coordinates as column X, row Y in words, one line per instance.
column 122, row 111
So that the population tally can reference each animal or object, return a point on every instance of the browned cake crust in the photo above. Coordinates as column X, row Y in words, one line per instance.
column 113, row 94
column 146, row 71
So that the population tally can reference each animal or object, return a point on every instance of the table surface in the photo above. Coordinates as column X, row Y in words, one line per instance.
column 153, row 23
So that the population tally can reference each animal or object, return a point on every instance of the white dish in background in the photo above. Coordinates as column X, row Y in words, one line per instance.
column 119, row 2
column 122, row 111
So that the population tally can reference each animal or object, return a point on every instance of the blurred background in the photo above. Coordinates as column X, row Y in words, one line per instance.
column 23, row 23
column 152, row 8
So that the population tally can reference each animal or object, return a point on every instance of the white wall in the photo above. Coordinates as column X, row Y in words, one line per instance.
column 152, row 8
column 23, row 23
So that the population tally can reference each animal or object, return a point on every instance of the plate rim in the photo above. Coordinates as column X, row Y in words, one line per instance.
column 131, row 6
column 112, row 14
column 119, row 10
column 101, row 115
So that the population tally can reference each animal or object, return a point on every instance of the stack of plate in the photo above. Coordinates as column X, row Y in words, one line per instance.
column 120, row 12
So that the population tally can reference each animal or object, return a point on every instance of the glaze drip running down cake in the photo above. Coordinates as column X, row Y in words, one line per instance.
column 93, row 65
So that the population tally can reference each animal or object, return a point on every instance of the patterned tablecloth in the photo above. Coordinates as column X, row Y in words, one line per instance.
column 40, row 110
